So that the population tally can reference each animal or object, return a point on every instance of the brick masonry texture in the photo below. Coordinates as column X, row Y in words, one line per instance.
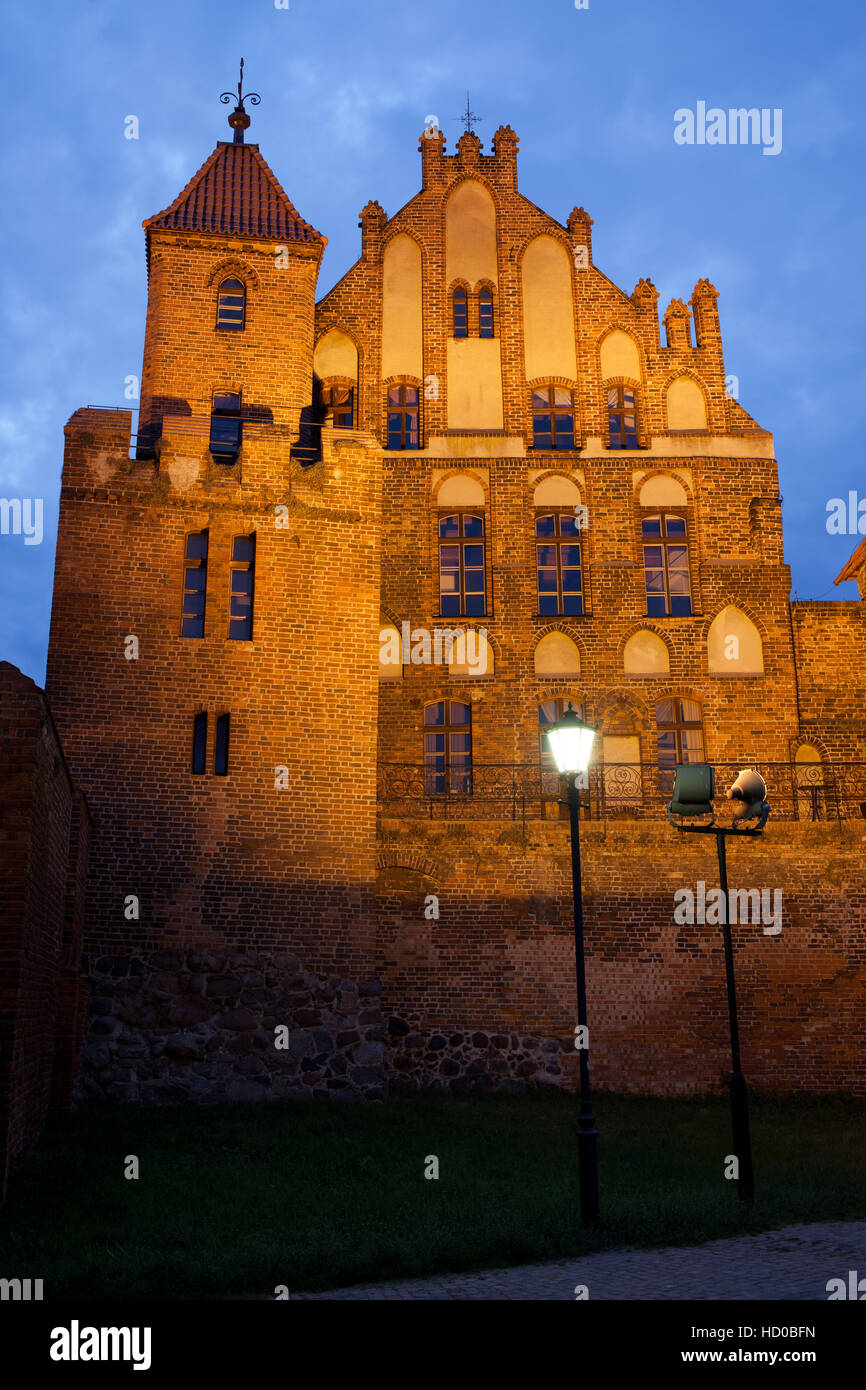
column 500, row 959
column 286, row 854
column 44, row 837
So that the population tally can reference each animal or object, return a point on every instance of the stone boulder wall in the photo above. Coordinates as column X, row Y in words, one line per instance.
column 471, row 1059
column 174, row 1026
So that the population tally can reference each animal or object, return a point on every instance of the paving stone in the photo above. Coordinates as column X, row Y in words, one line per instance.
column 793, row 1263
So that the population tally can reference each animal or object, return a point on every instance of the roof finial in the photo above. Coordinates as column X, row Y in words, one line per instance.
column 239, row 120
column 469, row 116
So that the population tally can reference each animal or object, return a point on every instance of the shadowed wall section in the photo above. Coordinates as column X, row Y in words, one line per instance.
column 44, row 841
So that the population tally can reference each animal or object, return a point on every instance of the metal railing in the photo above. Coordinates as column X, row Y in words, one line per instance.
column 614, row 791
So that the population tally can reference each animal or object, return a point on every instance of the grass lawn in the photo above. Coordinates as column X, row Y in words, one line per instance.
column 233, row 1200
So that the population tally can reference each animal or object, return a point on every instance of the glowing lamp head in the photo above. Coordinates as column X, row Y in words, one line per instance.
column 570, row 742
column 749, row 794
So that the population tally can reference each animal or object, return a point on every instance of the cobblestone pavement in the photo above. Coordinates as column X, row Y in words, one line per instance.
column 794, row 1262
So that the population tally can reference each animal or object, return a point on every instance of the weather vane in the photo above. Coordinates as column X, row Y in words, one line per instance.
column 239, row 120
column 469, row 117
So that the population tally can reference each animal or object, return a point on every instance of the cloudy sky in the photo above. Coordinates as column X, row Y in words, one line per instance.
column 346, row 88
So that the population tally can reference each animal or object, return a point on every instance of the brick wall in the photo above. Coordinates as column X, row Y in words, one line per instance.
column 486, row 996
column 43, row 848
column 831, row 670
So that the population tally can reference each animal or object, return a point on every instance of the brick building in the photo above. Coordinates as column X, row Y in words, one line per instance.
column 44, row 841
column 473, row 432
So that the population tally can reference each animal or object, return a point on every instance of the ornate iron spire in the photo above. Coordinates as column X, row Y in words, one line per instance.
column 469, row 117
column 239, row 120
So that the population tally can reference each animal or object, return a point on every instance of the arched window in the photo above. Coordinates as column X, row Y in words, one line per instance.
column 680, row 732
column 810, row 784
column 448, row 748
column 645, row 654
column 558, row 570
column 622, row 417
column 553, row 418
column 340, row 402
column 460, row 313
column 556, row 655
column 485, row 314
column 461, row 566
column 231, row 304
column 403, row 432
column 666, row 566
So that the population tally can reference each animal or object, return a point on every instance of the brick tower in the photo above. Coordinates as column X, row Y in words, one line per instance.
column 213, row 661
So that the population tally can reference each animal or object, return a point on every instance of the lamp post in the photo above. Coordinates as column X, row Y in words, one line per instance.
column 694, row 789
column 570, row 742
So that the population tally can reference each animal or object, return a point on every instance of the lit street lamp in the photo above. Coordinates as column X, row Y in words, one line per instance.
column 694, row 789
column 570, row 742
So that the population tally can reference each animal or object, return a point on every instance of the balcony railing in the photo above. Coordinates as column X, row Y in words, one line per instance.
column 526, row 791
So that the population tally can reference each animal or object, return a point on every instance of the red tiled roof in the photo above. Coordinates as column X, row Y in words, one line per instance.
column 854, row 564
column 235, row 192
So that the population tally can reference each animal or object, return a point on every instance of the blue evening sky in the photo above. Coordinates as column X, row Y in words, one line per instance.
column 346, row 87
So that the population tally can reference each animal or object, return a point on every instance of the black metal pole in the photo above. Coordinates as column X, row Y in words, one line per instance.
column 739, row 1097
column 587, row 1136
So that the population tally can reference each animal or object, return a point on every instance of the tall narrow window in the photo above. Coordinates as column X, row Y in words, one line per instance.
column 448, row 749
column 461, row 566
column 242, row 578
column 225, row 426
column 557, row 550
column 221, row 746
column 485, row 314
column 340, row 401
column 621, row 418
column 680, row 732
column 666, row 567
column 194, row 585
column 553, row 418
column 199, row 744
column 460, row 314
column 231, row 304
column 403, row 417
